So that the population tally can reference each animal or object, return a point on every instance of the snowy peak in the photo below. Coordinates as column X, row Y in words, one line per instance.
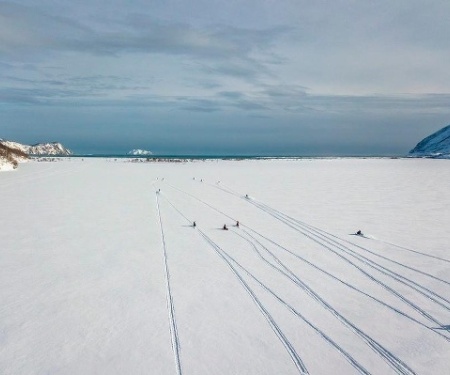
column 53, row 148
column 139, row 152
column 436, row 145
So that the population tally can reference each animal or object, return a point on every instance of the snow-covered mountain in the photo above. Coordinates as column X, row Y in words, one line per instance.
column 53, row 148
column 436, row 145
column 139, row 152
column 10, row 157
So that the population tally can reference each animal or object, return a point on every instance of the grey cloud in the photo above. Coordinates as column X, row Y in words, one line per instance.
column 231, row 94
column 247, row 69
column 26, row 28
column 277, row 99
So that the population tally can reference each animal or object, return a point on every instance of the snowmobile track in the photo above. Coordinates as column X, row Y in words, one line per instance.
column 395, row 310
column 426, row 292
column 289, row 347
column 170, row 304
column 314, row 238
column 395, row 363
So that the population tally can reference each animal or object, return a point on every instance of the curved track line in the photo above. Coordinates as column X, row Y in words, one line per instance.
column 364, row 272
column 322, row 334
column 310, row 236
column 395, row 310
column 226, row 215
column 229, row 190
column 324, row 234
column 316, row 236
column 395, row 363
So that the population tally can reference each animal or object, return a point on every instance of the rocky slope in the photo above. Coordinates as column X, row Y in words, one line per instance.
column 10, row 157
column 436, row 145
column 53, row 148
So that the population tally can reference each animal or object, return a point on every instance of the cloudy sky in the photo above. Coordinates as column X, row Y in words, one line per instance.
column 299, row 77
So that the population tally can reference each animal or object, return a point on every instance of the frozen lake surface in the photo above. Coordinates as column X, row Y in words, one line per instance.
column 100, row 274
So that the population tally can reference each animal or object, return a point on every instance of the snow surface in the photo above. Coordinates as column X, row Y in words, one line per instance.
column 103, row 275
column 5, row 165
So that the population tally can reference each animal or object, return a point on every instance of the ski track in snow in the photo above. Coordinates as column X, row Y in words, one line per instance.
column 170, row 304
column 395, row 363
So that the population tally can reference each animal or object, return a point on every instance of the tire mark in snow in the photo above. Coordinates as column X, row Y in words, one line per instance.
column 341, row 281
column 410, row 250
column 392, row 291
column 314, row 239
column 289, row 347
column 277, row 330
column 203, row 202
column 427, row 293
column 322, row 334
column 324, row 272
column 316, row 236
column 229, row 190
column 173, row 324
column 395, row 363
column 324, row 233
column 371, row 277
column 384, row 304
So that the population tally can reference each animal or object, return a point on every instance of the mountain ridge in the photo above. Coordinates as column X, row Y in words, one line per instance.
column 49, row 148
column 436, row 145
column 12, row 153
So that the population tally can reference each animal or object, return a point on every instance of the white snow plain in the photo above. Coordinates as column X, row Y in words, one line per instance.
column 100, row 274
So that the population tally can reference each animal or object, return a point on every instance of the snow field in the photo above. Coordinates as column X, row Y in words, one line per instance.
column 85, row 287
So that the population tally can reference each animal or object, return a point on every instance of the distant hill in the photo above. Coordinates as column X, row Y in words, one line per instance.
column 10, row 157
column 436, row 145
column 53, row 148
column 139, row 152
